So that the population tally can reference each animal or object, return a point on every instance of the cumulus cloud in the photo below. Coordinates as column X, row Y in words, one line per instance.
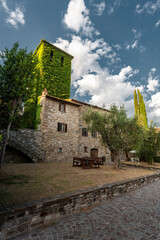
column 86, row 54
column 90, row 78
column 153, row 108
column 77, row 18
column 149, row 7
column 153, row 82
column 100, row 8
column 14, row 17
column 157, row 24
column 115, row 4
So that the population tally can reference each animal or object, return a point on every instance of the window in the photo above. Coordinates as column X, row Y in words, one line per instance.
column 51, row 55
column 62, row 61
column 62, row 107
column 84, row 132
column 62, row 127
column 60, row 150
column 94, row 134
column 85, row 149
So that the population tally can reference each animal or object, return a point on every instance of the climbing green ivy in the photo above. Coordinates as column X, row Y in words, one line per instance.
column 54, row 66
column 53, row 72
column 38, row 113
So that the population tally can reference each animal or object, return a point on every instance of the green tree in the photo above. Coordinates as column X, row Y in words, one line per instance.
column 140, row 109
column 16, row 86
column 115, row 128
column 132, row 136
column 150, row 145
column 136, row 107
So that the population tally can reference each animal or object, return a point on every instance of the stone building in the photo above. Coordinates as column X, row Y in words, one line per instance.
column 61, row 133
column 64, row 132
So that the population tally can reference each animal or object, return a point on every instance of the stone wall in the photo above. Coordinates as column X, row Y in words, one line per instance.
column 54, row 140
column 71, row 143
column 29, row 142
column 24, row 217
column 89, row 141
column 48, row 144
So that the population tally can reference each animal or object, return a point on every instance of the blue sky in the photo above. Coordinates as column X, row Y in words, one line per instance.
column 115, row 44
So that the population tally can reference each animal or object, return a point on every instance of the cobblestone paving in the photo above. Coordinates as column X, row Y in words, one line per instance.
column 134, row 215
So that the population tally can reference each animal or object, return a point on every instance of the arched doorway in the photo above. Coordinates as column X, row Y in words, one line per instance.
column 94, row 152
column 15, row 156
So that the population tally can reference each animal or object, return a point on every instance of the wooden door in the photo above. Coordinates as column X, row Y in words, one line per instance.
column 94, row 152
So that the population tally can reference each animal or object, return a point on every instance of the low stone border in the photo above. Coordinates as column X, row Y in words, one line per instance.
column 25, row 217
column 140, row 166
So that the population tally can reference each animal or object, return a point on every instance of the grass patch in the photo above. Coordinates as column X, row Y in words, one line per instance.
column 27, row 182
column 14, row 179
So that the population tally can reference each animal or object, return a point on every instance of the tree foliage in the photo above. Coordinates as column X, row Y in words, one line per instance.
column 16, row 85
column 136, row 107
column 150, row 145
column 140, row 109
column 116, row 129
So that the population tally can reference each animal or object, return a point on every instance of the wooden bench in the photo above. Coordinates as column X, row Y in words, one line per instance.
column 77, row 161
column 97, row 159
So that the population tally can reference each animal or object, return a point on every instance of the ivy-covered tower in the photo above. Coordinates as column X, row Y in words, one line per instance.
column 54, row 67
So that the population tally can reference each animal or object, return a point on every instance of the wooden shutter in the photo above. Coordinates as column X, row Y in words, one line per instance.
column 59, row 127
column 65, row 127
column 59, row 106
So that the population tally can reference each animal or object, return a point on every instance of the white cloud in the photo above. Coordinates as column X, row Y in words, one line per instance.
column 90, row 78
column 132, row 45
column 149, row 7
column 118, row 47
column 153, row 108
column 86, row 55
column 153, row 83
column 137, row 34
column 14, row 17
column 115, row 4
column 100, row 8
column 135, row 43
column 157, row 24
column 77, row 18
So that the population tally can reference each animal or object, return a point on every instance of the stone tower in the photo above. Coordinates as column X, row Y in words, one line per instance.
column 54, row 67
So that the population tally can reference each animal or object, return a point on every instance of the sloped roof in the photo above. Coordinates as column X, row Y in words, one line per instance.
column 53, row 46
column 63, row 100
column 90, row 105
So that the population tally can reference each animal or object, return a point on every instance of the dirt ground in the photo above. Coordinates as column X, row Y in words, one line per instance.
column 28, row 181
column 145, row 164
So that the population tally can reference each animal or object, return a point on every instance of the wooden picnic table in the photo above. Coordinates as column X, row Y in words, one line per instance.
column 87, row 162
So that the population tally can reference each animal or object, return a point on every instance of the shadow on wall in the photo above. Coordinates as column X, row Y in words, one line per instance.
column 15, row 156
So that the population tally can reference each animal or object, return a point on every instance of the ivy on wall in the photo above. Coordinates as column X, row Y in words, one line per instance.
column 38, row 113
column 55, row 70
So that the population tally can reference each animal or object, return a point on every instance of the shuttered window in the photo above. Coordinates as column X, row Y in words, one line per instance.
column 62, row 107
column 84, row 132
column 62, row 127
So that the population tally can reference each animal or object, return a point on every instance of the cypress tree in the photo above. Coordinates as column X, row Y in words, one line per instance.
column 140, row 109
column 136, row 107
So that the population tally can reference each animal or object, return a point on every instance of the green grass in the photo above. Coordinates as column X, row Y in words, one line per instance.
column 14, row 179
